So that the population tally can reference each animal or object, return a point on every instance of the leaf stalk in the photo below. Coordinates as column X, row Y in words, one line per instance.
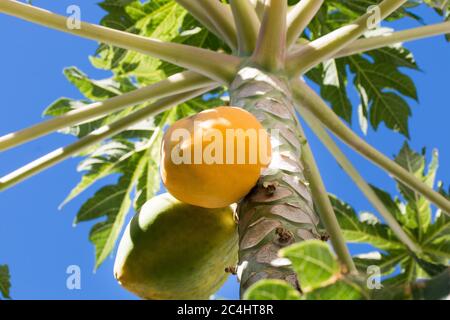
column 95, row 137
column 218, row 66
column 307, row 97
column 178, row 83
column 365, row 188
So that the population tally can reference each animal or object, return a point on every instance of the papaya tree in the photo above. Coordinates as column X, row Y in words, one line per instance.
column 172, row 59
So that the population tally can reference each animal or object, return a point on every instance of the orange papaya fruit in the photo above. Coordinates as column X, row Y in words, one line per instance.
column 214, row 158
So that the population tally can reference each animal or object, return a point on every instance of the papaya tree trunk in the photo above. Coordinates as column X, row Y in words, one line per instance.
column 279, row 210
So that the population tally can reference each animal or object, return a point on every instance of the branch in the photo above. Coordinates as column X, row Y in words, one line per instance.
column 270, row 52
column 299, row 17
column 95, row 137
column 178, row 83
column 307, row 97
column 259, row 6
column 198, row 12
column 247, row 24
column 218, row 66
column 215, row 16
column 368, row 44
column 324, row 206
column 343, row 161
column 327, row 46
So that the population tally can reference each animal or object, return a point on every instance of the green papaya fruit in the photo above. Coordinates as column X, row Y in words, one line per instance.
column 172, row 250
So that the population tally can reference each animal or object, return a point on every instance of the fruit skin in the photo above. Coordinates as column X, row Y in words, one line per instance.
column 172, row 250
column 213, row 185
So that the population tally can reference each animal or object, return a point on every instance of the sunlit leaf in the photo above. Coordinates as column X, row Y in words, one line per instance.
column 272, row 290
column 313, row 262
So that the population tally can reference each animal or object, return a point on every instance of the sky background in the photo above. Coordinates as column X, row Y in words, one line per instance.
column 38, row 241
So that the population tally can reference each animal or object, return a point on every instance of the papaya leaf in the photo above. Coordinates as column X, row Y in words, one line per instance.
column 435, row 288
column 340, row 290
column 5, row 282
column 386, row 262
column 369, row 231
column 432, row 269
column 271, row 290
column 439, row 247
column 62, row 106
column 377, row 80
column 314, row 263
column 106, row 160
column 160, row 19
column 332, row 79
column 384, row 106
column 113, row 203
column 440, row 228
column 97, row 90
column 417, row 207
column 393, row 205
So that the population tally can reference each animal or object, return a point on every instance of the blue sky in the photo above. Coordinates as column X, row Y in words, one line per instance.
column 39, row 242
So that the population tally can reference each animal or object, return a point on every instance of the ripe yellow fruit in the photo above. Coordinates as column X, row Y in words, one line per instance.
column 214, row 158
column 173, row 250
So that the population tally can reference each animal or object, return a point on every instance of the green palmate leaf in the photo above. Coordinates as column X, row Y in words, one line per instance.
column 333, row 81
column 432, row 269
column 161, row 19
column 386, row 262
column 98, row 90
column 272, row 290
column 418, row 208
column 435, row 288
column 384, row 106
column 314, row 263
column 439, row 247
column 5, row 282
column 377, row 79
column 149, row 181
column 340, row 290
column 62, row 106
column 109, row 159
column 439, row 229
column 366, row 229
column 94, row 90
column 113, row 203
column 392, row 205
column 395, row 55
